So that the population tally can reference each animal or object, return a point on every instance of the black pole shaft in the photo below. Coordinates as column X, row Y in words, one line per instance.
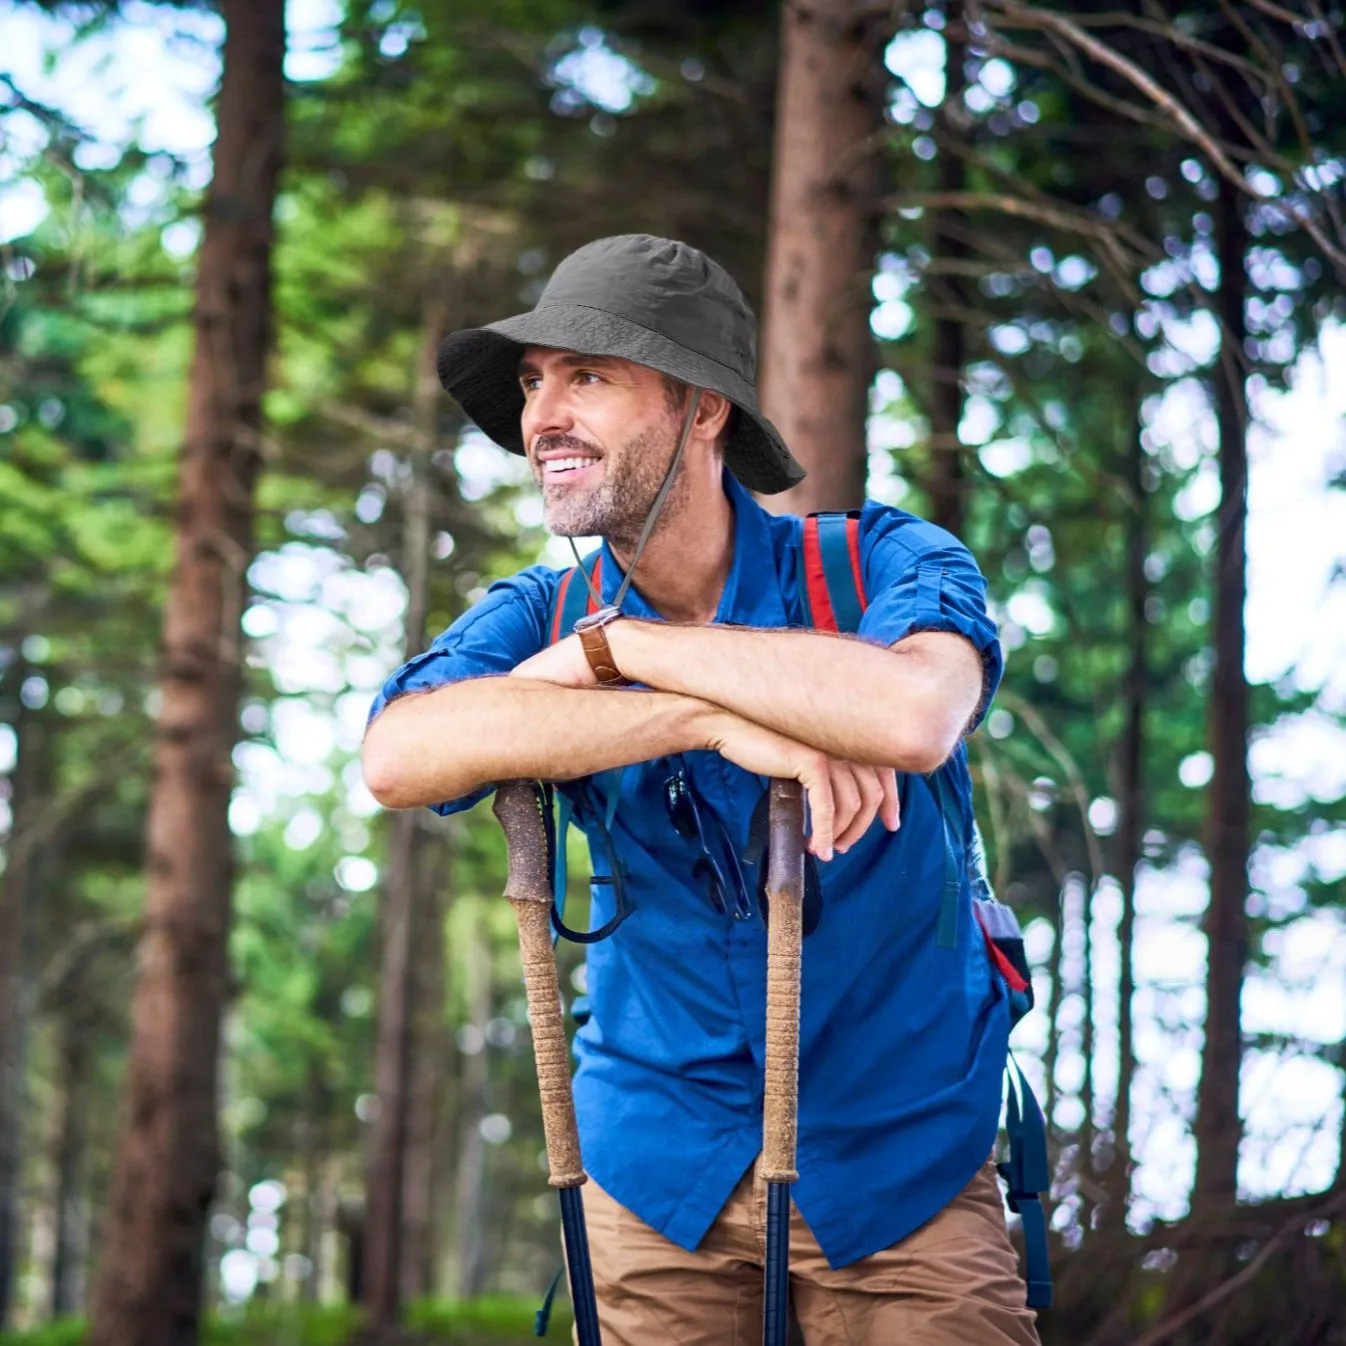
column 579, row 1268
column 776, row 1313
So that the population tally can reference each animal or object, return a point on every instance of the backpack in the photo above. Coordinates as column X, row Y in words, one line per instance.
column 831, row 582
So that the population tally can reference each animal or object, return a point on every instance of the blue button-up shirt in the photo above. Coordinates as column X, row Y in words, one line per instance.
column 903, row 1039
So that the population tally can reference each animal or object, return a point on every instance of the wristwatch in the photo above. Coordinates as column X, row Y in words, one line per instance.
column 592, row 631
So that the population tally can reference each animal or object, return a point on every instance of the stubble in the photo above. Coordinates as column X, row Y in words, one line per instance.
column 617, row 509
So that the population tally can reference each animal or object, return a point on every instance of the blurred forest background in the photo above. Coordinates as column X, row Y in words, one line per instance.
column 1063, row 277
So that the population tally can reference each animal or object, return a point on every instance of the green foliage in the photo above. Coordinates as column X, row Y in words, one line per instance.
column 67, row 1332
column 491, row 1318
column 471, row 1323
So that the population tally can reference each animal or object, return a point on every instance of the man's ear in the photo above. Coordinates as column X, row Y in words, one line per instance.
column 712, row 414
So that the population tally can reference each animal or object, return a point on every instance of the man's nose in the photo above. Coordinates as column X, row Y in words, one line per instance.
column 547, row 411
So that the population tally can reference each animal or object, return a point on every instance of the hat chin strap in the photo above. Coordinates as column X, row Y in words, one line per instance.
column 651, row 519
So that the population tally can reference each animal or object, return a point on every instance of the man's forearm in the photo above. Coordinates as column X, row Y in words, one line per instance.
column 903, row 707
column 432, row 746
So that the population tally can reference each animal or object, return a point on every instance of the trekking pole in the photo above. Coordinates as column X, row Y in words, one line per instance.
column 528, row 889
column 785, row 895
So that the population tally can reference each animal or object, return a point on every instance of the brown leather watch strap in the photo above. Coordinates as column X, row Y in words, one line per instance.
column 594, row 642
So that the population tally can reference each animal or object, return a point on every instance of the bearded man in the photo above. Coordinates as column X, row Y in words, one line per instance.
column 630, row 387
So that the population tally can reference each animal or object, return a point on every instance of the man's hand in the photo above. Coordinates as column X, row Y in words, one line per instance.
column 844, row 797
column 860, row 794
column 563, row 664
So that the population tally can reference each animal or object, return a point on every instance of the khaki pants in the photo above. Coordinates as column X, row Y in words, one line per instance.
column 954, row 1282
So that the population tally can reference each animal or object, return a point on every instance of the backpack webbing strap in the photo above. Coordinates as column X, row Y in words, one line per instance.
column 542, row 1318
column 1000, row 960
column 1027, row 1174
column 573, row 599
column 948, row 905
column 560, row 877
column 830, row 581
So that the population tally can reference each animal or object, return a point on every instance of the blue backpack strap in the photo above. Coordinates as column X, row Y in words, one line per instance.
column 560, row 877
column 1026, row 1175
column 608, row 792
column 839, row 548
column 831, row 581
column 949, row 901
column 542, row 1318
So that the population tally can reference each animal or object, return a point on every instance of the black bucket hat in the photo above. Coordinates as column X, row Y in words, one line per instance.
column 653, row 301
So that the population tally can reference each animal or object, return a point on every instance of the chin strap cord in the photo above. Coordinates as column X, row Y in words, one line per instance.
column 653, row 516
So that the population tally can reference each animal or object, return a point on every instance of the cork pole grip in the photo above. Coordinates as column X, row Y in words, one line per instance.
column 528, row 890
column 785, row 892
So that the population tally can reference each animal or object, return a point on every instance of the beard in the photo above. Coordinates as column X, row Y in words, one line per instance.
column 617, row 508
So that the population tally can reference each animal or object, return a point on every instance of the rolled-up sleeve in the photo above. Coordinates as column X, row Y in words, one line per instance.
column 493, row 637
column 919, row 577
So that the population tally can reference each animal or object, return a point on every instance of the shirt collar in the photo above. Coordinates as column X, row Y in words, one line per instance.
column 751, row 592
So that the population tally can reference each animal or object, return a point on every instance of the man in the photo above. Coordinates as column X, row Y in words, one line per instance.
column 630, row 388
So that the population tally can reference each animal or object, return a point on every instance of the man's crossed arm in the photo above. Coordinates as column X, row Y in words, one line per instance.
column 840, row 715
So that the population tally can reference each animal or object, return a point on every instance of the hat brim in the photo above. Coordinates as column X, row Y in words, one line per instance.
column 479, row 366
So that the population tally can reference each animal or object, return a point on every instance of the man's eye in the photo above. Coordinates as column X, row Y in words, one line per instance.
column 587, row 376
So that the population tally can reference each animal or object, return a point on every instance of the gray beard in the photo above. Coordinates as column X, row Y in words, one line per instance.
column 616, row 510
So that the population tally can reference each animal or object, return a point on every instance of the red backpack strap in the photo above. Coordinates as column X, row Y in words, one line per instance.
column 572, row 599
column 831, row 578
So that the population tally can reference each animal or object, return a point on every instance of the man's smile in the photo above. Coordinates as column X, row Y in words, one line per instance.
column 565, row 466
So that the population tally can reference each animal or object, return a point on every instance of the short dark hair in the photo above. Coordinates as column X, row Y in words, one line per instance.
column 675, row 394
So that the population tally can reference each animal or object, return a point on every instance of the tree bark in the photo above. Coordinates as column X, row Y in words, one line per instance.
column 1218, row 1126
column 397, row 1246
column 949, row 355
column 817, row 350
column 1131, row 823
column 149, row 1289
column 426, row 1084
column 70, row 1240
column 469, row 1204
column 384, row 1189
column 18, row 893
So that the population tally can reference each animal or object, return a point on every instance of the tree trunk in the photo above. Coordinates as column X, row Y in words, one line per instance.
column 18, row 894
column 817, row 351
column 168, row 1151
column 384, row 1188
column 70, row 1240
column 471, row 1168
column 946, row 486
column 1218, row 1126
column 426, row 1083
column 1131, row 824
column 395, row 1248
